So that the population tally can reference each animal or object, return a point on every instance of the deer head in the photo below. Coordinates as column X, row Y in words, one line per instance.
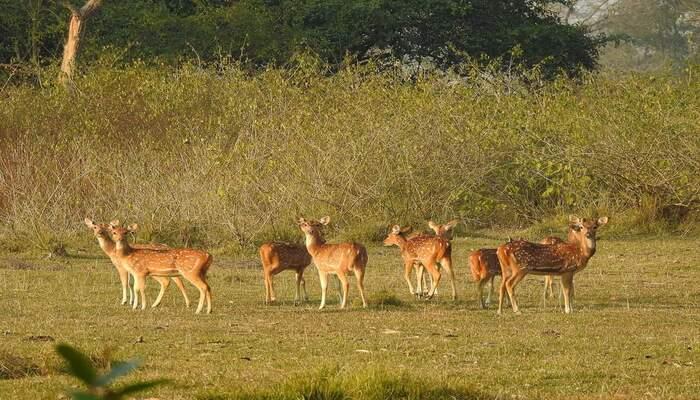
column 443, row 230
column 395, row 236
column 99, row 230
column 584, row 230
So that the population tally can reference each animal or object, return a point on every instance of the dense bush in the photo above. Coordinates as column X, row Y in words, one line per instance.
column 218, row 158
column 269, row 32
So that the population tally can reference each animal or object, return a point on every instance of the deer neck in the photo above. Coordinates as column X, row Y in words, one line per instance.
column 585, row 247
column 122, row 248
column 313, row 242
column 107, row 245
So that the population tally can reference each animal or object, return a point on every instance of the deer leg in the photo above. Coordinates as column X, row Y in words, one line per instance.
column 202, row 295
column 208, row 292
column 502, row 292
column 266, row 282
column 408, row 265
column 510, row 286
column 297, row 293
column 345, row 285
column 446, row 264
column 360, row 277
column 164, row 283
column 124, row 280
column 271, row 285
column 491, row 289
column 432, row 269
column 420, row 278
column 140, row 288
column 323, row 279
column 178, row 283
column 480, row 293
column 303, row 284
column 567, row 283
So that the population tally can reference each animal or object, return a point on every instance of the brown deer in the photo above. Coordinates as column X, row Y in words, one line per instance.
column 484, row 267
column 428, row 251
column 334, row 258
column 140, row 263
column 101, row 232
column 279, row 256
column 519, row 258
column 442, row 230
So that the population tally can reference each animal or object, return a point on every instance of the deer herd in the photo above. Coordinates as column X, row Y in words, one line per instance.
column 512, row 260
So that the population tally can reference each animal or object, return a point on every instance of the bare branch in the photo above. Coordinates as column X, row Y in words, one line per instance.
column 90, row 7
column 73, row 9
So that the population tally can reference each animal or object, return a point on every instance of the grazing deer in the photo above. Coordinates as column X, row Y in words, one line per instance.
column 519, row 258
column 277, row 257
column 101, row 232
column 427, row 250
column 140, row 263
column 336, row 258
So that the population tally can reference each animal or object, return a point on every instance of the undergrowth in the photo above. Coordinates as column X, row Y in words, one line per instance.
column 219, row 158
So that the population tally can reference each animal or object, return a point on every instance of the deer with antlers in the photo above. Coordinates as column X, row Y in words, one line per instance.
column 101, row 232
column 140, row 263
column 519, row 258
column 280, row 256
column 426, row 250
column 339, row 259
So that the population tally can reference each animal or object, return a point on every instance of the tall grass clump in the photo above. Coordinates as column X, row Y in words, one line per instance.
column 218, row 157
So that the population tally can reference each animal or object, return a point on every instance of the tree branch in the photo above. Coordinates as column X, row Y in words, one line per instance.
column 73, row 9
column 90, row 7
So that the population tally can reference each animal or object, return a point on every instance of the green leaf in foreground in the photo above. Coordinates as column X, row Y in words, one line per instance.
column 79, row 364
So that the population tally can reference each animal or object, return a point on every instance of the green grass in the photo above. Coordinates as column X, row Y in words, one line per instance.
column 634, row 334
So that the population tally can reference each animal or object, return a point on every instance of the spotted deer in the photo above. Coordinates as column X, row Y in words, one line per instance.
column 101, row 232
column 428, row 251
column 519, row 258
column 279, row 256
column 484, row 266
column 339, row 259
column 442, row 230
column 140, row 263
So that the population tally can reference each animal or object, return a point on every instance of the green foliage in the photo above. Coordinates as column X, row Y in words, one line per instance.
column 218, row 158
column 446, row 33
column 98, row 386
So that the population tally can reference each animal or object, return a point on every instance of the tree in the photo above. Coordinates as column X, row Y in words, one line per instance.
column 76, row 27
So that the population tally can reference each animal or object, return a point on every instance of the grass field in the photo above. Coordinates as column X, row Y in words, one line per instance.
column 635, row 332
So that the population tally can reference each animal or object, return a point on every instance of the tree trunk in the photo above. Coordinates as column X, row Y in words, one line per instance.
column 72, row 45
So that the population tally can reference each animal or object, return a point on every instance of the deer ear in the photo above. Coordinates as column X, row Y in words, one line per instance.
column 301, row 220
column 433, row 225
column 114, row 223
column 395, row 229
column 452, row 223
column 325, row 220
column 602, row 221
column 89, row 222
column 406, row 229
column 574, row 219
column 132, row 228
